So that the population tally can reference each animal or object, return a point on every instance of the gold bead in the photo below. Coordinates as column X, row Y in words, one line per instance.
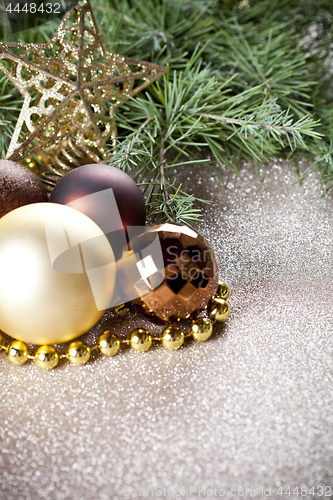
column 223, row 291
column 218, row 310
column 2, row 340
column 172, row 338
column 108, row 344
column 17, row 352
column 201, row 329
column 46, row 357
column 30, row 163
column 140, row 340
column 78, row 353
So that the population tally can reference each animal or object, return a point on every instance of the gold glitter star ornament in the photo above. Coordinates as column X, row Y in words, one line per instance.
column 71, row 88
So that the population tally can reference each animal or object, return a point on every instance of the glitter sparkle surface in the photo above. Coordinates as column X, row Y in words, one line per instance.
column 250, row 408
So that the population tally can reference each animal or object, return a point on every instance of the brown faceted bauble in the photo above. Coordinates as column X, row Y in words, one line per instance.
column 187, row 273
column 18, row 186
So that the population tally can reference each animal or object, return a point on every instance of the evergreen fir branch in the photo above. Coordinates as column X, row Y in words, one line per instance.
column 322, row 162
column 248, row 79
column 178, row 209
column 176, row 123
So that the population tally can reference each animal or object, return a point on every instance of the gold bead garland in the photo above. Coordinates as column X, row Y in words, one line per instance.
column 140, row 340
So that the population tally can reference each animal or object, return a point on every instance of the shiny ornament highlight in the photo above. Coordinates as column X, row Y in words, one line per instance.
column 222, row 291
column 57, row 273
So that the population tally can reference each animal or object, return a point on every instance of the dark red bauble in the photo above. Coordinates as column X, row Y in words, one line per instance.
column 95, row 179
column 18, row 186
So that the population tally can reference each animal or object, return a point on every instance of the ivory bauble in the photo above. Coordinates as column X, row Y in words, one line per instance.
column 57, row 273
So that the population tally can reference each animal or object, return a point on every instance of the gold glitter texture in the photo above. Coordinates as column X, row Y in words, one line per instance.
column 71, row 88
column 251, row 408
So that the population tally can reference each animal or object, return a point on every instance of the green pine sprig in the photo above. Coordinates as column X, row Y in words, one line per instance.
column 247, row 79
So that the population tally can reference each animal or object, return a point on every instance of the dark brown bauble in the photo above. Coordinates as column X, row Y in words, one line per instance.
column 174, row 271
column 111, row 212
column 18, row 186
column 97, row 177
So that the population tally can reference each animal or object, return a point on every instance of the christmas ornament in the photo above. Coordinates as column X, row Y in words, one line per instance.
column 117, row 202
column 57, row 273
column 72, row 87
column 57, row 270
column 78, row 353
column 175, row 283
column 18, row 186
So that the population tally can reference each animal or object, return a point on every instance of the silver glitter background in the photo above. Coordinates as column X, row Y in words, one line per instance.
column 250, row 408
